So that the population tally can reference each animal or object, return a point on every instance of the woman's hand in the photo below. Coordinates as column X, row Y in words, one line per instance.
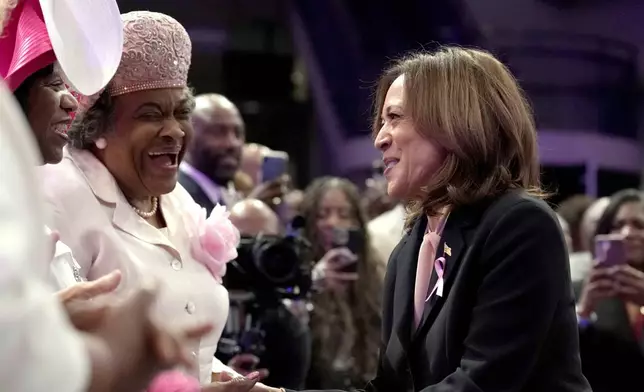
column 136, row 346
column 599, row 285
column 84, row 313
column 89, row 290
column 245, row 364
column 629, row 284
column 328, row 270
column 229, row 383
column 258, row 387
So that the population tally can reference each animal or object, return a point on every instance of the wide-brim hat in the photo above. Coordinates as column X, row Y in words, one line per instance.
column 85, row 37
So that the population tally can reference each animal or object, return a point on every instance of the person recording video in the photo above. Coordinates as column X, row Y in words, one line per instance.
column 348, row 276
column 610, row 303
column 262, row 334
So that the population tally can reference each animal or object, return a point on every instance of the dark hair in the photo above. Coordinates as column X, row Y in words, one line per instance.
column 356, row 316
column 22, row 92
column 617, row 200
column 470, row 103
column 92, row 123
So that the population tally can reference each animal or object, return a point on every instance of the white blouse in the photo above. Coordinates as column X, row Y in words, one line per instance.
column 96, row 221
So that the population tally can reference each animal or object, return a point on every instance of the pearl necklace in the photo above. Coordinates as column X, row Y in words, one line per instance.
column 148, row 215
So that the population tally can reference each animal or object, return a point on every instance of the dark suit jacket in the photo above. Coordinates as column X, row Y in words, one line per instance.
column 611, row 357
column 196, row 192
column 506, row 321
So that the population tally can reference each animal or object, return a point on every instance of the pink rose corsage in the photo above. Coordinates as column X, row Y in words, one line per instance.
column 174, row 381
column 214, row 240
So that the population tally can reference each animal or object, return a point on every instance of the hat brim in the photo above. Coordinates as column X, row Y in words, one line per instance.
column 87, row 38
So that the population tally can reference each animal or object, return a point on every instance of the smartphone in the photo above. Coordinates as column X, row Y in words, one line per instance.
column 274, row 166
column 609, row 250
column 352, row 239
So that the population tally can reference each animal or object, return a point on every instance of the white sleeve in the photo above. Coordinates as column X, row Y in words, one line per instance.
column 40, row 349
column 65, row 271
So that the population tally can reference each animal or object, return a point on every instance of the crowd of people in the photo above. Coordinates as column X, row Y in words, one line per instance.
column 123, row 203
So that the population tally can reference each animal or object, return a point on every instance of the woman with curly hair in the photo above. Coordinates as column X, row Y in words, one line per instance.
column 345, row 321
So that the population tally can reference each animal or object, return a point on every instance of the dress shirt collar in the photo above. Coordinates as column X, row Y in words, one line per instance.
column 216, row 193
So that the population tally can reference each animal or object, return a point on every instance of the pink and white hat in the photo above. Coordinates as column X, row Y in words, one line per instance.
column 40, row 32
column 157, row 52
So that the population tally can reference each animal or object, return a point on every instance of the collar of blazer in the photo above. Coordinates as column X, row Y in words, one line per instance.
column 458, row 229
column 105, row 188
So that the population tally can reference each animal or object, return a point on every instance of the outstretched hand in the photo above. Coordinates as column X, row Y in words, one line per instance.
column 228, row 383
column 256, row 387
column 245, row 364
column 140, row 346
column 83, row 301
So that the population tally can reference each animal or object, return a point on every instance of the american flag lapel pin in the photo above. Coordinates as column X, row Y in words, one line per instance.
column 447, row 250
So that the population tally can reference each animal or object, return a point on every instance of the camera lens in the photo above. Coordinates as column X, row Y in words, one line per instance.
column 278, row 261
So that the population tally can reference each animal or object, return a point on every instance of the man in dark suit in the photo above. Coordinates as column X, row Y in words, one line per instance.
column 215, row 155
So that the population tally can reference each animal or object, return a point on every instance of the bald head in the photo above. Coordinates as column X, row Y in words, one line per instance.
column 219, row 137
column 252, row 217
column 209, row 103
column 590, row 219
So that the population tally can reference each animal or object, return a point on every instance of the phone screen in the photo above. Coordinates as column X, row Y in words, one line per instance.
column 609, row 250
column 273, row 167
column 352, row 239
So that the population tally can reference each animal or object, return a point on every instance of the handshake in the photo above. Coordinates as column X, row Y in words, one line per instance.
column 129, row 350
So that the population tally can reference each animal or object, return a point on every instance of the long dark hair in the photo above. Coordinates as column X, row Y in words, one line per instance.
column 352, row 318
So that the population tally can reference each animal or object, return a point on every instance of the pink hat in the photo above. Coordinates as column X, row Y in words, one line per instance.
column 156, row 54
column 24, row 45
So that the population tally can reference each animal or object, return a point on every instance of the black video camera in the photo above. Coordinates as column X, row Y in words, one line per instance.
column 272, row 267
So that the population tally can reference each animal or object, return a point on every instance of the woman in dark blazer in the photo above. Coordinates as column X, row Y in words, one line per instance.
column 477, row 294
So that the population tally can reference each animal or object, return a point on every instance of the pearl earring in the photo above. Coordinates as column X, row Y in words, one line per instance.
column 101, row 143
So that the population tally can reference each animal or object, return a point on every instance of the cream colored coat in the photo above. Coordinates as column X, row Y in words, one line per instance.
column 96, row 221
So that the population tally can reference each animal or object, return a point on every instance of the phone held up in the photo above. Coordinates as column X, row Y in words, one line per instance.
column 274, row 166
column 352, row 239
column 609, row 250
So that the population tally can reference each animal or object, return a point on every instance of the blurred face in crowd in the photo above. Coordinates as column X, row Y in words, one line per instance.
column 219, row 139
column 48, row 106
column 334, row 211
column 151, row 131
column 565, row 228
column 410, row 158
column 629, row 222
column 589, row 221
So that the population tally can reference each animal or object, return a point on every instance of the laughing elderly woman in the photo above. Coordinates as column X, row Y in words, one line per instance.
column 115, row 194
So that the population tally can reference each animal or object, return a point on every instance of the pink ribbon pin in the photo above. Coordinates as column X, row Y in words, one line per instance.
column 439, row 267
